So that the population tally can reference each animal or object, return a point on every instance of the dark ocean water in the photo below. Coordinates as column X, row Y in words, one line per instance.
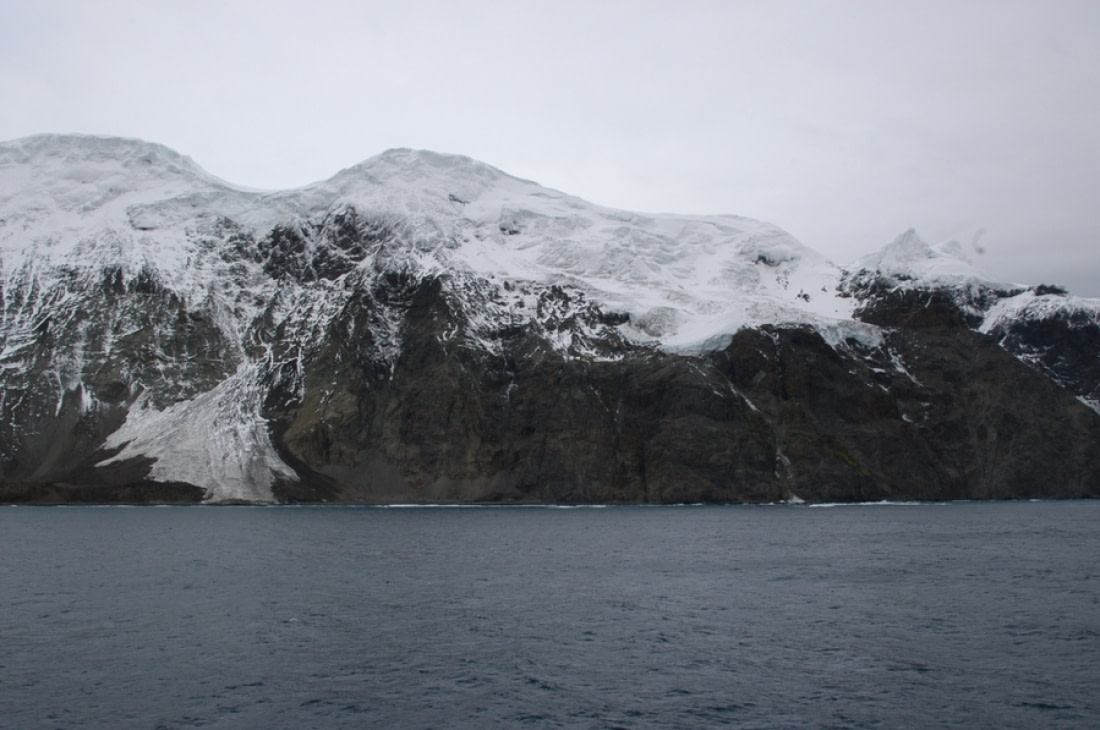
column 898, row 616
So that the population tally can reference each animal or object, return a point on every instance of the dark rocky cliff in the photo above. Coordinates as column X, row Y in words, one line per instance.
column 775, row 415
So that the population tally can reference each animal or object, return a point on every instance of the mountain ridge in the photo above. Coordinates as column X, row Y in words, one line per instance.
column 165, row 332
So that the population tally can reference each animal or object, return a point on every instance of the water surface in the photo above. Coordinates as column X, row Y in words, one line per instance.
column 961, row 615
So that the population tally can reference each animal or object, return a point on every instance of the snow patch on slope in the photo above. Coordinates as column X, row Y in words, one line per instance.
column 1029, row 306
column 218, row 440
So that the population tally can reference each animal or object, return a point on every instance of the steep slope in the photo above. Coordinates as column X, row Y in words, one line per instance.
column 909, row 280
column 423, row 327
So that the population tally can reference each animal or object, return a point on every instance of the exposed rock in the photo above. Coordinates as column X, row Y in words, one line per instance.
column 777, row 412
column 1064, row 344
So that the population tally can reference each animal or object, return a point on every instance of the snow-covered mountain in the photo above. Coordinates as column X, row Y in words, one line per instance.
column 426, row 327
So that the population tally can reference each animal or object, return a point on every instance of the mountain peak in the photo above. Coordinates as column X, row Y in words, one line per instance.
column 909, row 257
column 82, row 150
column 410, row 157
column 404, row 167
column 77, row 172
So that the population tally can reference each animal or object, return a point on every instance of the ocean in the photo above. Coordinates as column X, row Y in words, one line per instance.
column 961, row 615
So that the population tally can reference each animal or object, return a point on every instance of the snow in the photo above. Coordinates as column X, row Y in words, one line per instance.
column 1031, row 306
column 908, row 258
column 217, row 440
column 687, row 283
column 683, row 280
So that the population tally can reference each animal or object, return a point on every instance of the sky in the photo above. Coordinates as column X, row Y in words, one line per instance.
column 845, row 122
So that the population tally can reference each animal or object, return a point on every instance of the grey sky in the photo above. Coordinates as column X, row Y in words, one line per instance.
column 844, row 122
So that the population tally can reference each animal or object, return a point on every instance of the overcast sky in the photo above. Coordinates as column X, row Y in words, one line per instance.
column 843, row 122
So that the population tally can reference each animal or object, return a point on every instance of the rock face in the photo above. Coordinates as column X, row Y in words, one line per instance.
column 424, row 328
